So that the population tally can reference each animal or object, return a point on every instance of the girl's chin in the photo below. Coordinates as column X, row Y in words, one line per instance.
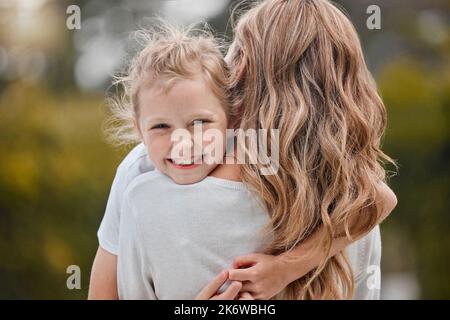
column 188, row 174
column 191, row 166
column 178, row 179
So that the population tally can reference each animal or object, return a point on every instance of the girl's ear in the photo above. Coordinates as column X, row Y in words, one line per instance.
column 138, row 130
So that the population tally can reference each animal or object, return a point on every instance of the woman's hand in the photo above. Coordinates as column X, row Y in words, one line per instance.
column 245, row 296
column 263, row 276
column 210, row 291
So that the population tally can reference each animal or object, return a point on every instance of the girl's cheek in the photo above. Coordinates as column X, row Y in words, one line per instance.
column 159, row 144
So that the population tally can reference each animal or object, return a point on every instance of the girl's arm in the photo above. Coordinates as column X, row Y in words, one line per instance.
column 103, row 275
column 266, row 275
column 103, row 283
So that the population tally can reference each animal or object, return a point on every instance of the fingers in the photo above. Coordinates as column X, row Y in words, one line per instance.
column 248, row 274
column 246, row 260
column 238, row 274
column 248, row 286
column 246, row 296
column 212, row 287
column 231, row 292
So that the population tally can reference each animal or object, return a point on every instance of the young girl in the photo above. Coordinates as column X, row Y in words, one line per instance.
column 181, row 227
column 312, row 84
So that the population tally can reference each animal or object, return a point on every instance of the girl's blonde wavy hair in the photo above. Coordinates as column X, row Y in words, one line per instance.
column 297, row 66
column 168, row 52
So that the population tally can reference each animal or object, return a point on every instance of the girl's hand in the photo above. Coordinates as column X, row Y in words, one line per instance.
column 263, row 277
column 210, row 291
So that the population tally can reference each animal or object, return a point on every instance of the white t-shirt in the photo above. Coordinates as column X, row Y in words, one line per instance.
column 174, row 239
column 171, row 240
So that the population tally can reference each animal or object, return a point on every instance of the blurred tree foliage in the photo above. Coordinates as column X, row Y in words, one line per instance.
column 55, row 176
column 417, row 235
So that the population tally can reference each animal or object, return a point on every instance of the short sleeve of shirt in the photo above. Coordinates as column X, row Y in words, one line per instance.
column 134, row 164
column 368, row 271
column 134, row 279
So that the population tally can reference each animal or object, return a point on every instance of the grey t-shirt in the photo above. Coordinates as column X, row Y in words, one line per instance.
column 171, row 240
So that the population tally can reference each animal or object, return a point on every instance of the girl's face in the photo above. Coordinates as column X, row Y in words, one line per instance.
column 187, row 102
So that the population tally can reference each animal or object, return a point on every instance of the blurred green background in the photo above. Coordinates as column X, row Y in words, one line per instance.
column 56, row 168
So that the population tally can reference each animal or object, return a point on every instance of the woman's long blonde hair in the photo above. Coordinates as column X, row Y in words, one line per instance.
column 298, row 66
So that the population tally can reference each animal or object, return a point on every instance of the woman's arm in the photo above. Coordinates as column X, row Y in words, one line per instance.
column 266, row 275
column 103, row 282
column 297, row 267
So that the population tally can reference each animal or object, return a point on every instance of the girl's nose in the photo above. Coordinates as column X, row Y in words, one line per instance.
column 187, row 147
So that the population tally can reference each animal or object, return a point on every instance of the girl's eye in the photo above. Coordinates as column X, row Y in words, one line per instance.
column 200, row 121
column 160, row 126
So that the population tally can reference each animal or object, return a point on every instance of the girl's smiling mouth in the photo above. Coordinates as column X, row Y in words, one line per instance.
column 186, row 164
